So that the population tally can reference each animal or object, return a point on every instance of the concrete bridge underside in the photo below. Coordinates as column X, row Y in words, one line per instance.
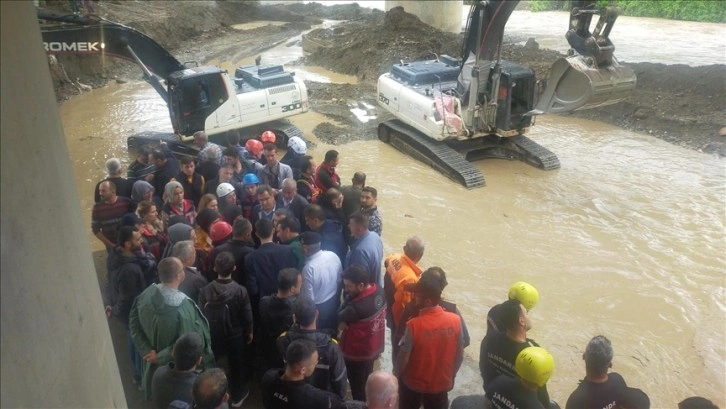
column 444, row 15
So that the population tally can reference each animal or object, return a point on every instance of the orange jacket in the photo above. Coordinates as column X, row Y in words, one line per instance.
column 436, row 339
column 402, row 271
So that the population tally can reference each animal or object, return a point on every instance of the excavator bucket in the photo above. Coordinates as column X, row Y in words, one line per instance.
column 576, row 83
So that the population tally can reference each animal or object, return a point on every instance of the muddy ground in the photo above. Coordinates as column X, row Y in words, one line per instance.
column 680, row 104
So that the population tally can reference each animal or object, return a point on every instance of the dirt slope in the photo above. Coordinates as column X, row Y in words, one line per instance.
column 683, row 105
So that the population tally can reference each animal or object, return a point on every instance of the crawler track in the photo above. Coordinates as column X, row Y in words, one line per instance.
column 452, row 157
column 436, row 154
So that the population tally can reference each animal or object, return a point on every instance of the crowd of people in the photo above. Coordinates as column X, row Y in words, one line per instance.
column 271, row 269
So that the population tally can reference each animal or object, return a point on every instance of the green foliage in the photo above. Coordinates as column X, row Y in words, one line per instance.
column 691, row 10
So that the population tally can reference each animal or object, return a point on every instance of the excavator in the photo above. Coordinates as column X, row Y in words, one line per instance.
column 200, row 98
column 450, row 111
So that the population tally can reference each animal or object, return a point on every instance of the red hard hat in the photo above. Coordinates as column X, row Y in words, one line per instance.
column 268, row 136
column 219, row 231
column 254, row 147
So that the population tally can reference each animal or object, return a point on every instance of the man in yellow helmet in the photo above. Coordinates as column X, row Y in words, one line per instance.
column 499, row 349
column 524, row 292
column 534, row 366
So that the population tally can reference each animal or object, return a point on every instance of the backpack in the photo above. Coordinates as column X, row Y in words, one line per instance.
column 220, row 321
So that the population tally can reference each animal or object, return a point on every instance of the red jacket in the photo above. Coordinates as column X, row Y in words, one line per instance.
column 364, row 339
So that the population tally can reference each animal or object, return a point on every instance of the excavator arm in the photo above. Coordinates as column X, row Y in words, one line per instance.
column 72, row 34
column 589, row 77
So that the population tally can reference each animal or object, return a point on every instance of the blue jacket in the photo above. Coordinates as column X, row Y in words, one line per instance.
column 367, row 252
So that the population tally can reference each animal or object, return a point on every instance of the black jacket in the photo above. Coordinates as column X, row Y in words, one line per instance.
column 236, row 297
column 330, row 373
column 125, row 282
column 281, row 394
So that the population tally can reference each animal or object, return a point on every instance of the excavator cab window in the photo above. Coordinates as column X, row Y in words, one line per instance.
column 194, row 98
column 514, row 99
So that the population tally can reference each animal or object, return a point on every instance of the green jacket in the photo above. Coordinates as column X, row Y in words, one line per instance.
column 159, row 316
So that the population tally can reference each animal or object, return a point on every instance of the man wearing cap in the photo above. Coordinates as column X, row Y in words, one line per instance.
column 240, row 168
column 367, row 248
column 174, row 380
column 240, row 246
column 524, row 292
column 600, row 388
column 499, row 349
column 114, row 170
column 274, row 171
column 321, row 280
column 141, row 168
column 193, row 279
column 431, row 351
column 162, row 313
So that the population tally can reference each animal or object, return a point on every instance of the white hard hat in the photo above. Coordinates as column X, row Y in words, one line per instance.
column 297, row 145
column 224, row 189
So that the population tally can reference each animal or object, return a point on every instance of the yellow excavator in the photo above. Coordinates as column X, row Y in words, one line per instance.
column 450, row 111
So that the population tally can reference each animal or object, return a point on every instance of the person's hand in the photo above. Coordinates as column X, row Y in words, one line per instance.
column 150, row 357
column 149, row 177
column 108, row 311
column 162, row 143
column 249, row 338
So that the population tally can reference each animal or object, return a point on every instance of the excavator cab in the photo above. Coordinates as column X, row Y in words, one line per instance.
column 515, row 96
column 194, row 95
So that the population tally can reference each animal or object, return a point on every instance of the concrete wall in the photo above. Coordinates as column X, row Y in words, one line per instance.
column 56, row 350
column 444, row 15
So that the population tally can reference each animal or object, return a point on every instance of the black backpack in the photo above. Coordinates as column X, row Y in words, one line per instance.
column 220, row 321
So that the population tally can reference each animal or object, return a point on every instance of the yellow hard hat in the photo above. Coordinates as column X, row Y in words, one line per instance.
column 534, row 364
column 525, row 293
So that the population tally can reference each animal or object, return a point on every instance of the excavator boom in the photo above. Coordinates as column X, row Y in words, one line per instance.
column 72, row 34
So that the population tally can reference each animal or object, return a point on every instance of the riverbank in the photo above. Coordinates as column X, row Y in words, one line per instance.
column 677, row 103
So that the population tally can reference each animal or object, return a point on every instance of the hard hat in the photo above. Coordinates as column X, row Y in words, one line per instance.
column 525, row 293
column 219, row 230
column 224, row 189
column 250, row 179
column 254, row 146
column 297, row 145
column 268, row 136
column 534, row 364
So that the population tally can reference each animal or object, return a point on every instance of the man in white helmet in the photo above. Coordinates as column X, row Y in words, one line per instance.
column 227, row 196
column 296, row 150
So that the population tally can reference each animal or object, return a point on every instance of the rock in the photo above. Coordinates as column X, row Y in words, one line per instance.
column 722, row 131
column 120, row 81
column 531, row 44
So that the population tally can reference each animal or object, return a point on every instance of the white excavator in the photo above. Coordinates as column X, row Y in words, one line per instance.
column 200, row 98
column 449, row 111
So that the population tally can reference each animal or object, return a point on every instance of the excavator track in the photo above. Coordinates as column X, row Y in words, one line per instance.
column 288, row 130
column 436, row 154
column 452, row 158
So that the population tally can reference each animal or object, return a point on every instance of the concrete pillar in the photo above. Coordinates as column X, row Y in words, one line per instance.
column 55, row 342
column 444, row 15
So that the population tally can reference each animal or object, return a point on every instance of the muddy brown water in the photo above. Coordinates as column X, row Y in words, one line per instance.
column 626, row 239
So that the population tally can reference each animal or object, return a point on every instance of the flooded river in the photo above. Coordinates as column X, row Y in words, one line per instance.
column 625, row 240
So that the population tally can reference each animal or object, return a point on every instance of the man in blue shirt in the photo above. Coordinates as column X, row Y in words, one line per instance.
column 367, row 248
